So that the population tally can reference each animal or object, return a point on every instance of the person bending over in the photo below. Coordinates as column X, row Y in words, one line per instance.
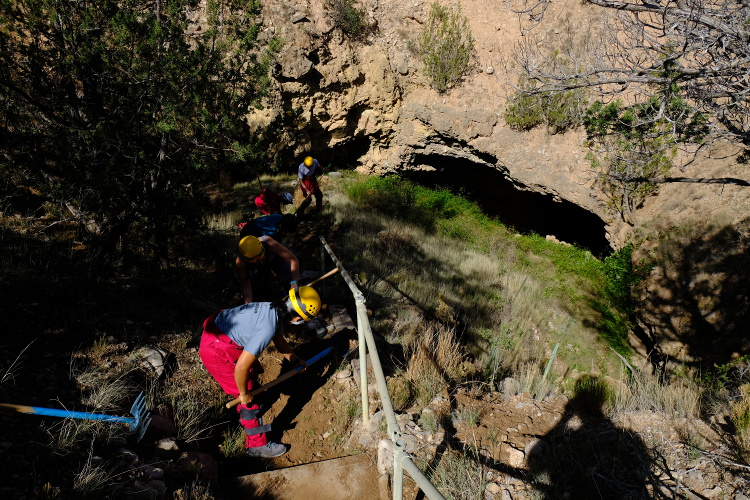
column 231, row 342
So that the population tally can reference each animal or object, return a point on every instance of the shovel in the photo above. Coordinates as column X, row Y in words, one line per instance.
column 138, row 424
column 283, row 377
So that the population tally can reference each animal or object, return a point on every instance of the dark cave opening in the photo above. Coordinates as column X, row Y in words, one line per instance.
column 524, row 211
column 346, row 156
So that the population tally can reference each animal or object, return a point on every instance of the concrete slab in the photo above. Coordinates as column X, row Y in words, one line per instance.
column 348, row 478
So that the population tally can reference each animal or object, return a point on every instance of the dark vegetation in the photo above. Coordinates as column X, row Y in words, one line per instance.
column 114, row 114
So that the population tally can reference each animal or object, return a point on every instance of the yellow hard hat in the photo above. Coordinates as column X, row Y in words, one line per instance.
column 252, row 249
column 309, row 161
column 307, row 304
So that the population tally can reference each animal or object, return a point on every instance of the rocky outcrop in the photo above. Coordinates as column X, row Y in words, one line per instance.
column 365, row 104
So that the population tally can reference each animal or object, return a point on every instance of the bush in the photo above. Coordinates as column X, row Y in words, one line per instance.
column 524, row 112
column 559, row 111
column 592, row 395
column 726, row 390
column 348, row 18
column 445, row 46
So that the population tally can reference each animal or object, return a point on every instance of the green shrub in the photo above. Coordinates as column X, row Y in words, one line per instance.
column 401, row 393
column 348, row 18
column 726, row 390
column 622, row 277
column 524, row 111
column 559, row 111
column 445, row 46
column 564, row 110
column 632, row 143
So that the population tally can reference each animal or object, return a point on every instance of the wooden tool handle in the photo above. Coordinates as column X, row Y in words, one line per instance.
column 326, row 275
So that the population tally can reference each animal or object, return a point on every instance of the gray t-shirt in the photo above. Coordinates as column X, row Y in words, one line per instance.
column 305, row 171
column 251, row 326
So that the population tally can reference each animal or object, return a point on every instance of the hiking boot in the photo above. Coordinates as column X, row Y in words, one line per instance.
column 268, row 450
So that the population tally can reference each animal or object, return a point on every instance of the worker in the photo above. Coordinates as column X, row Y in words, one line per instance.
column 269, row 201
column 276, row 226
column 260, row 262
column 308, row 182
column 230, row 345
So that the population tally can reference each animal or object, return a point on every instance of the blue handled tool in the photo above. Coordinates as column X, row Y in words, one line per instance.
column 137, row 424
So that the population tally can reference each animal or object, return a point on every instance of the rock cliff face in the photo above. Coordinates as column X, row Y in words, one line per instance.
column 366, row 105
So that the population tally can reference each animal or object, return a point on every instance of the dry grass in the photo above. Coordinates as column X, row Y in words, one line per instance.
column 233, row 444
column 459, row 477
column 194, row 491
column 96, row 480
column 348, row 412
column 680, row 398
column 399, row 389
column 47, row 492
column 8, row 375
column 531, row 380
column 225, row 221
column 102, row 393
column 191, row 410
column 67, row 435
column 740, row 415
column 434, row 357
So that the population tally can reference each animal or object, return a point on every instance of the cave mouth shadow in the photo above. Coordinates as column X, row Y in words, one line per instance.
column 500, row 198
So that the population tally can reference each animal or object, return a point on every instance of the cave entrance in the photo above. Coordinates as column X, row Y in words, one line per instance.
column 524, row 211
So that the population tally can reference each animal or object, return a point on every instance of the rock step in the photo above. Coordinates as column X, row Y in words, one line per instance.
column 343, row 478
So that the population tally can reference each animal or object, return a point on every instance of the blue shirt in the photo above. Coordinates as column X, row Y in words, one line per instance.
column 251, row 326
column 304, row 171
column 268, row 225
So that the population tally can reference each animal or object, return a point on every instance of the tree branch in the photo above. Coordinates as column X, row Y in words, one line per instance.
column 694, row 180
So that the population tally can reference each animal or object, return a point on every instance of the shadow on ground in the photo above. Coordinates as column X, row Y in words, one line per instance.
column 697, row 297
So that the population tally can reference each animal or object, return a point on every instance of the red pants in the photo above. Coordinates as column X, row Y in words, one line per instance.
column 313, row 191
column 219, row 355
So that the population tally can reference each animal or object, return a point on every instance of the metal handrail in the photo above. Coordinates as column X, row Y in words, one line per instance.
column 401, row 458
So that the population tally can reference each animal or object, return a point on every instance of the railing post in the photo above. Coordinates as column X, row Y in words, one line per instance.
column 398, row 471
column 361, row 318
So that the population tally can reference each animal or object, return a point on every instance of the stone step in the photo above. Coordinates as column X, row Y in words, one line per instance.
column 340, row 318
column 346, row 478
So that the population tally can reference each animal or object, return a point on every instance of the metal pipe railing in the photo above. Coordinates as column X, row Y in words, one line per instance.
column 359, row 299
column 401, row 458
